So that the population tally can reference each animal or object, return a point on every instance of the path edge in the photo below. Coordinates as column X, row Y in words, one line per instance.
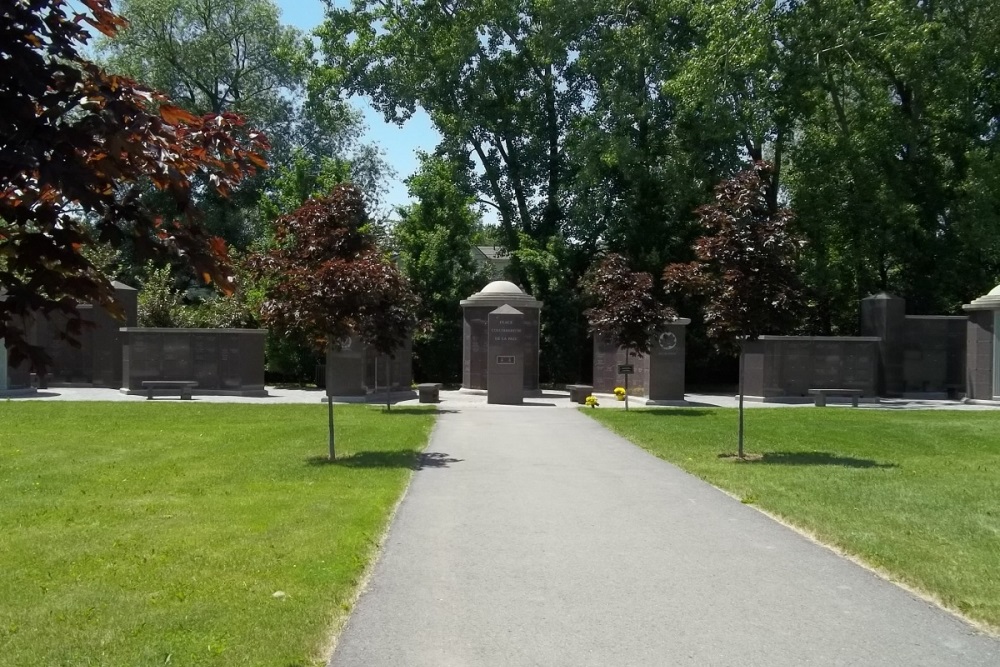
column 918, row 593
column 324, row 654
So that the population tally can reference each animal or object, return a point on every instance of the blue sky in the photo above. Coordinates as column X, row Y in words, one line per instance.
column 399, row 144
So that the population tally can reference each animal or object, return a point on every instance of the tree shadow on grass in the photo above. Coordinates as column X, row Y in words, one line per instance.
column 815, row 459
column 676, row 412
column 406, row 458
column 429, row 410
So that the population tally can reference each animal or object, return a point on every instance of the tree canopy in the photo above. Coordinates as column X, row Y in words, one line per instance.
column 326, row 279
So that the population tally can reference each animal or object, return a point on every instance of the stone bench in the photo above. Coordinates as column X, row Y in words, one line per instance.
column 183, row 387
column 429, row 392
column 578, row 393
column 821, row 395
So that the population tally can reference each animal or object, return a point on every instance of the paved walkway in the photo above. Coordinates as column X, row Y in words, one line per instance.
column 535, row 537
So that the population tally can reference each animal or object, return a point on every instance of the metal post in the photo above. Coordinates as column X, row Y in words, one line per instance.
column 742, row 358
column 329, row 413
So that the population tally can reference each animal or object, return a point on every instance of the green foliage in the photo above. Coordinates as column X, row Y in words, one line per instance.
column 80, row 147
column 434, row 238
column 552, row 275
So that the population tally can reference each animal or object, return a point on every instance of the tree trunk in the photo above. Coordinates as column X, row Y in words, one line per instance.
column 742, row 360
column 388, row 384
column 329, row 413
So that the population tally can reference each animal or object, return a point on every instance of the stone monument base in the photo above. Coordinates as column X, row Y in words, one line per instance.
column 245, row 393
column 374, row 398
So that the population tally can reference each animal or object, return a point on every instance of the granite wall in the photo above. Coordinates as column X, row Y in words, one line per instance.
column 221, row 361
column 979, row 357
column 789, row 366
column 355, row 369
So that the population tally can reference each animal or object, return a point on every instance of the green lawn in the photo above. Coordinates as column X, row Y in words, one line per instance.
column 916, row 494
column 159, row 533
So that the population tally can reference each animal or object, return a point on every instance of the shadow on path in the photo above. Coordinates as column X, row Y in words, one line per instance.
column 817, row 459
column 404, row 459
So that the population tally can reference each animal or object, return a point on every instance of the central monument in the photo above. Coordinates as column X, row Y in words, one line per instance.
column 476, row 340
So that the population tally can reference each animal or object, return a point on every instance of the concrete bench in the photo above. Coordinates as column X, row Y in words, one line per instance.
column 428, row 392
column 578, row 393
column 183, row 387
column 821, row 395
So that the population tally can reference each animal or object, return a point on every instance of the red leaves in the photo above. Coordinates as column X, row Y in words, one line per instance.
column 626, row 312
column 80, row 139
column 746, row 270
column 327, row 279
column 177, row 116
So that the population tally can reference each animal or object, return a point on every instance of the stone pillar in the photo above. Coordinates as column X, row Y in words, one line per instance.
column 475, row 338
column 3, row 365
column 981, row 347
column 506, row 352
column 667, row 364
column 884, row 316
column 345, row 367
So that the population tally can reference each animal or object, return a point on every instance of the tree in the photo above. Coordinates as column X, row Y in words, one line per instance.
column 78, row 145
column 745, row 271
column 216, row 56
column 434, row 237
column 625, row 312
column 492, row 76
column 326, row 279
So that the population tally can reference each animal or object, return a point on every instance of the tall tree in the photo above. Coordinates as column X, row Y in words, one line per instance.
column 745, row 272
column 75, row 145
column 218, row 56
column 434, row 237
column 495, row 79
column 894, row 170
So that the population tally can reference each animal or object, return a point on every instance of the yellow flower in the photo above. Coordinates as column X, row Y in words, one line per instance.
column 592, row 401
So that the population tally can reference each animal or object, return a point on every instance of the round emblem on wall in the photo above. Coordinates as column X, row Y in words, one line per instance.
column 668, row 340
column 345, row 343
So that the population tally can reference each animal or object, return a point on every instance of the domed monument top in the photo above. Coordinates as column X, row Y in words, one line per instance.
column 989, row 301
column 502, row 293
column 501, row 287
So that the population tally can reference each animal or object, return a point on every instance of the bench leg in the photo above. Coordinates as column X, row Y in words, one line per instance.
column 820, row 400
column 185, row 394
column 149, row 394
column 854, row 401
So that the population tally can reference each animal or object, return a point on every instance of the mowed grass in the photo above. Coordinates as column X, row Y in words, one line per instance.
column 159, row 533
column 915, row 494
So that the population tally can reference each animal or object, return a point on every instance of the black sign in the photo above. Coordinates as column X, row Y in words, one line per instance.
column 505, row 361
column 626, row 369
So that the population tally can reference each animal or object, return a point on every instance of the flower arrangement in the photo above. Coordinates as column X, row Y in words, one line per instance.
column 592, row 401
column 620, row 393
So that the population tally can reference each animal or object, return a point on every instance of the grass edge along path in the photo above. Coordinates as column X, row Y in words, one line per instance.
column 913, row 496
column 190, row 534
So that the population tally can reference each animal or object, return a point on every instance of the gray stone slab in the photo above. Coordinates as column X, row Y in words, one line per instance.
column 538, row 538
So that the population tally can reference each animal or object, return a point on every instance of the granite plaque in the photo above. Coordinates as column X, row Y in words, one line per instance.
column 505, row 374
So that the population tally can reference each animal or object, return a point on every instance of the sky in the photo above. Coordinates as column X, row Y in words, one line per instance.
column 399, row 144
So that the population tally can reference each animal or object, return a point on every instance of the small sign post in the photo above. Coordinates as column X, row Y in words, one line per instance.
column 626, row 370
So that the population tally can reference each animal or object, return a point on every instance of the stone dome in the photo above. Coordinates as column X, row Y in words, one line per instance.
column 989, row 301
column 503, row 287
column 502, row 293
